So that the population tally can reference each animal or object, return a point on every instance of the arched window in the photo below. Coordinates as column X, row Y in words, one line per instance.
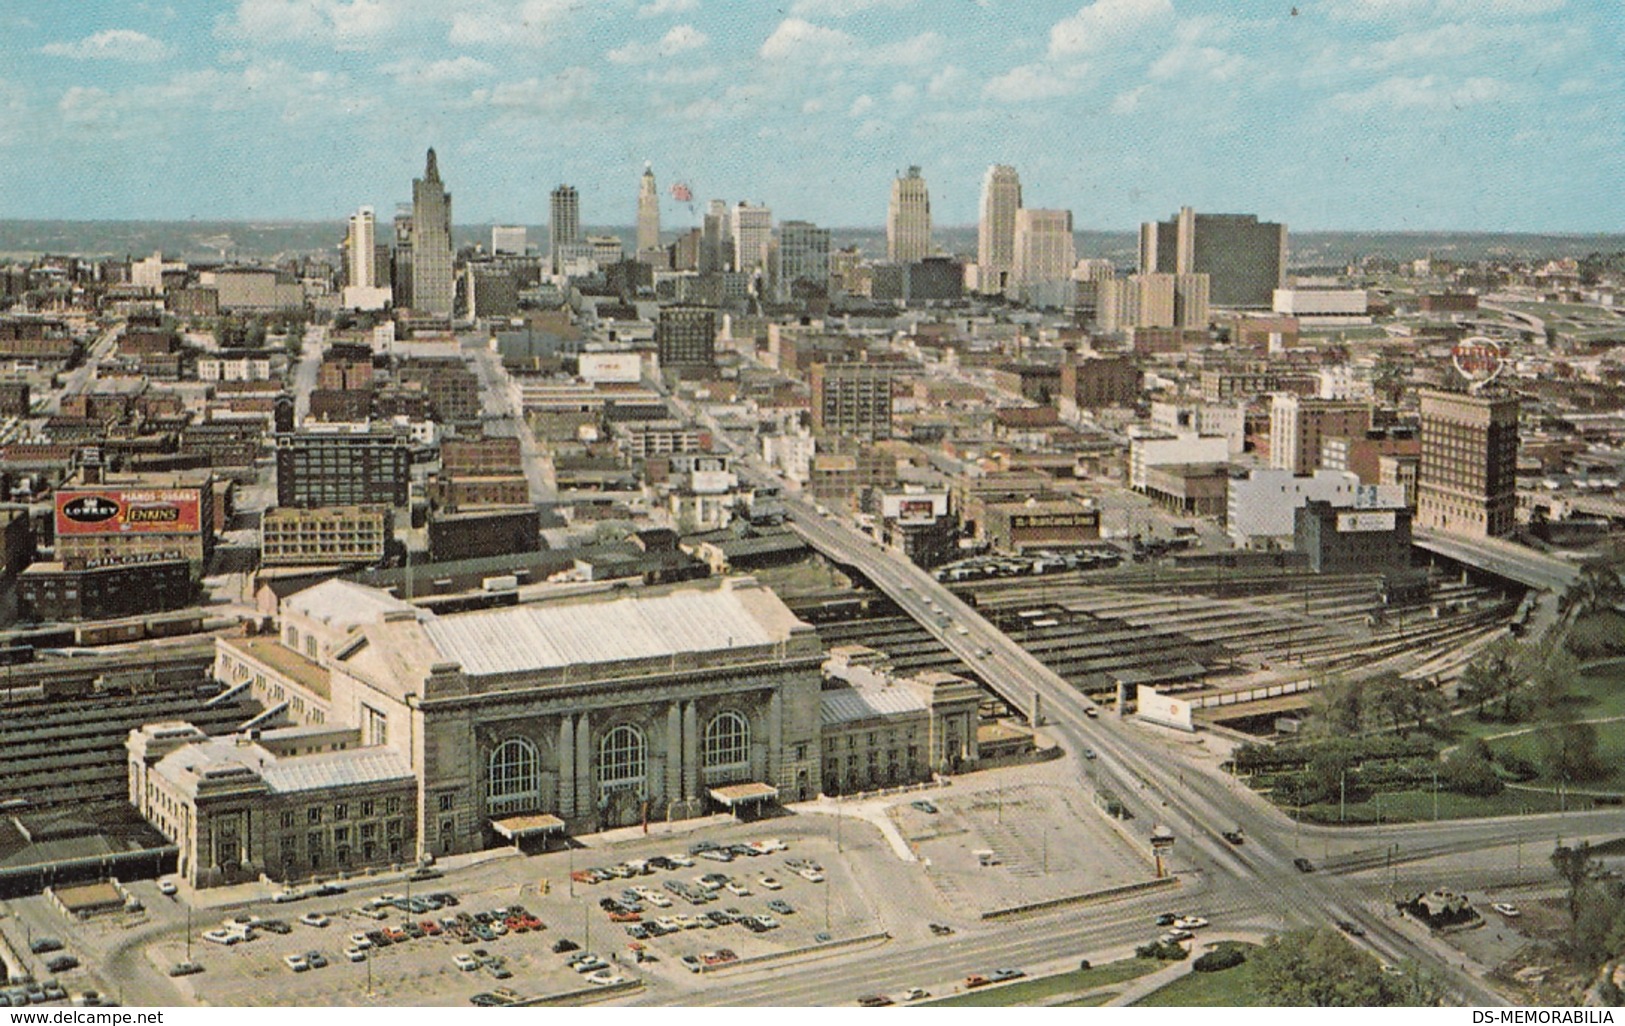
column 515, row 778
column 727, row 742
column 621, row 758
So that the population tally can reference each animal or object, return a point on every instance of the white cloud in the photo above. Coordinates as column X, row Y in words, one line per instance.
column 508, row 22
column 680, row 39
column 1427, row 92
column 844, row 8
column 813, row 106
column 1389, row 10
column 1186, row 61
column 111, row 45
column 1105, row 23
column 904, row 92
column 442, row 72
column 1129, row 102
column 1033, row 82
column 663, row 7
column 683, row 75
column 801, row 40
column 947, row 82
column 534, row 95
column 347, row 23
column 861, row 106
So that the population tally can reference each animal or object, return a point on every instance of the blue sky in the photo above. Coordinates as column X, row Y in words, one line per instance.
column 1349, row 114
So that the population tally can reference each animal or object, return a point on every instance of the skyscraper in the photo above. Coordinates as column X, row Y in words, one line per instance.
column 648, row 213
column 716, row 239
column 803, row 259
column 685, row 338
column 401, row 280
column 361, row 251
column 752, row 237
column 1043, row 250
column 1467, row 483
column 996, row 229
column 1243, row 257
column 564, row 224
column 908, row 219
column 433, row 287
column 508, row 238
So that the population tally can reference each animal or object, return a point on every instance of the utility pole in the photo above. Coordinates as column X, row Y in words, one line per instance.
column 188, row 933
column 1435, row 796
column 1342, row 796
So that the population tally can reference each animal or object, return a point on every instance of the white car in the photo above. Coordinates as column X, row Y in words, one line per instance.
column 810, row 875
column 680, row 860
column 283, row 897
column 315, row 919
column 356, row 954
column 771, row 883
column 222, row 937
column 767, row 922
column 604, row 978
column 296, row 962
column 359, row 940
column 737, row 889
column 467, row 963
column 915, row 994
column 1175, row 936
column 168, row 887
column 657, row 899
column 1190, row 923
column 1510, row 911
column 770, row 845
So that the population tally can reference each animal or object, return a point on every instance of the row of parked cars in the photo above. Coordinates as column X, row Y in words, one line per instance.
column 709, row 850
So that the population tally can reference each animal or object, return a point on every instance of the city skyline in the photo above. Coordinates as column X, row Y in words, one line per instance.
column 1358, row 115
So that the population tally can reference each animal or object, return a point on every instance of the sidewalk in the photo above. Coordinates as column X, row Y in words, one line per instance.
column 1151, row 982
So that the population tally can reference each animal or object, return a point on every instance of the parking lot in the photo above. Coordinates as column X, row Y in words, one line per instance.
column 1036, row 839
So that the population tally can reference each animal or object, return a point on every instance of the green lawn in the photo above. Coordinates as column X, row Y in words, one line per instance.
column 1031, row 992
column 1228, row 988
column 1092, row 1001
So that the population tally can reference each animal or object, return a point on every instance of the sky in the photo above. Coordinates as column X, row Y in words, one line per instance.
column 1493, row 115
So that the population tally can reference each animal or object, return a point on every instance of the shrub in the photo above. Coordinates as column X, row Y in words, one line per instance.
column 1169, row 952
column 1222, row 958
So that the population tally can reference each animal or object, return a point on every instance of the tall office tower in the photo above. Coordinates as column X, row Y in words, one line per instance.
column 1466, row 483
column 1243, row 257
column 401, row 280
column 752, row 237
column 361, row 250
column 1191, row 300
column 803, row 259
column 716, row 239
column 506, row 238
column 1044, row 249
column 996, row 229
column 564, row 224
column 908, row 219
column 433, row 287
column 686, row 337
column 648, row 213
column 1297, row 427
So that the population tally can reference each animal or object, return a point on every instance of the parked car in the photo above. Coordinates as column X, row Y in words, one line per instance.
column 227, row 937
column 916, row 994
column 464, row 962
column 604, row 978
column 62, row 963
column 316, row 959
column 1350, row 928
column 167, row 887
column 1303, row 865
column 1510, row 911
column 924, row 806
column 315, row 919
column 185, row 969
column 1234, row 836
column 783, row 908
column 564, row 944
column 45, row 945
column 297, row 963
column 874, row 1001
column 355, row 954
column 1190, row 923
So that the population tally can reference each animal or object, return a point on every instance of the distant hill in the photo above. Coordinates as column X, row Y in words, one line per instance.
column 201, row 241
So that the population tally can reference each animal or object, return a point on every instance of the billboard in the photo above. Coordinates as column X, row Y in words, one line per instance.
column 1170, row 712
column 87, row 511
column 1368, row 521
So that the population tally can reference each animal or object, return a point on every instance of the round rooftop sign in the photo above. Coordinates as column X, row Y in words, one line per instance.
column 1478, row 359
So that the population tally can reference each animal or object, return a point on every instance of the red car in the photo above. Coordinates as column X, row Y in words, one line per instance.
column 430, row 928
column 625, row 917
column 581, row 876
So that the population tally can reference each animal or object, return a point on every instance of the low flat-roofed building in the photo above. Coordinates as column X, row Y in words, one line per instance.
column 1194, row 489
column 325, row 535
column 98, row 589
column 1055, row 522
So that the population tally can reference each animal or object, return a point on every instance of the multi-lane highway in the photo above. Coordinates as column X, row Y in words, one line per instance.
column 1260, row 875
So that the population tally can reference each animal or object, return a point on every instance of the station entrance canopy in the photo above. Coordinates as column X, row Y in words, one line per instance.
column 744, row 797
column 533, row 829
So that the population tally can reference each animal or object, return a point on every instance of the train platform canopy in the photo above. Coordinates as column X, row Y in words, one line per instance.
column 519, row 828
column 736, row 796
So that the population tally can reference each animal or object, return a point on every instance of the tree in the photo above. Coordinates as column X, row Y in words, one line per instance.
column 1471, row 770
column 1575, row 865
column 1569, row 750
column 1494, row 674
column 1320, row 968
column 1597, row 587
column 1337, row 707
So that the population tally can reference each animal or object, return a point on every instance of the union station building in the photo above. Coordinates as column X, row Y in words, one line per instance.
column 511, row 725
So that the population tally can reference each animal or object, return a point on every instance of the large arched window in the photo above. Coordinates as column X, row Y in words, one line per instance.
column 727, row 742
column 515, row 778
column 621, row 759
